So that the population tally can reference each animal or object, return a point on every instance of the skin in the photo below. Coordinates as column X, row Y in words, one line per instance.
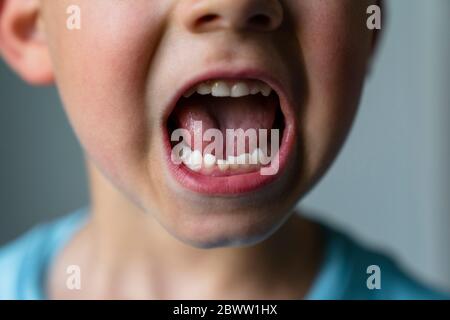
column 116, row 76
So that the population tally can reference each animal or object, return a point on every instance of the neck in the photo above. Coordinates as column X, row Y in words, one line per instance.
column 135, row 254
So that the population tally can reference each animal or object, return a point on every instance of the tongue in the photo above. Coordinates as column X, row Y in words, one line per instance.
column 251, row 112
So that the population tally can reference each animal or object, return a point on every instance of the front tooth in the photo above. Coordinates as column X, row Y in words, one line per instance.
column 240, row 89
column 265, row 90
column 204, row 88
column 223, row 165
column 220, row 89
column 209, row 161
column 195, row 160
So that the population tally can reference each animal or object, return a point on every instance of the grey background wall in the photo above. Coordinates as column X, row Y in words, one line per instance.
column 389, row 188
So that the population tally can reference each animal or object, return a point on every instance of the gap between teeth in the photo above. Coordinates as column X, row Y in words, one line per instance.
column 235, row 89
column 195, row 161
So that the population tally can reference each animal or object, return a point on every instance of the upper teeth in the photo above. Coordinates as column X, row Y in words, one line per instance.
column 234, row 89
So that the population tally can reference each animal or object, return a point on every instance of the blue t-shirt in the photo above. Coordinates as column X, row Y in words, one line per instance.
column 343, row 273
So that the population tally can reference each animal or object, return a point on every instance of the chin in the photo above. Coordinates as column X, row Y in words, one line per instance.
column 218, row 227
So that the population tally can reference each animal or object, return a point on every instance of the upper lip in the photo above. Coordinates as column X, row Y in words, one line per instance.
column 237, row 74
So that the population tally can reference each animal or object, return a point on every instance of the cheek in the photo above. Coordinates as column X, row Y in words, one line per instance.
column 101, row 73
column 336, row 46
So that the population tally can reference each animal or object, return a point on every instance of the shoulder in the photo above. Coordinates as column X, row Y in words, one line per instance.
column 374, row 275
column 23, row 262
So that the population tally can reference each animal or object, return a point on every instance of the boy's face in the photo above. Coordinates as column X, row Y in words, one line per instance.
column 122, row 75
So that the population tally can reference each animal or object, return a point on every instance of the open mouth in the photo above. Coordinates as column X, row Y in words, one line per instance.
column 227, row 136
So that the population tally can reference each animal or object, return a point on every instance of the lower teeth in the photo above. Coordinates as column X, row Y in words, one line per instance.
column 195, row 161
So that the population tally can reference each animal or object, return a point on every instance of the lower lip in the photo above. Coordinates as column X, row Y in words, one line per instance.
column 231, row 185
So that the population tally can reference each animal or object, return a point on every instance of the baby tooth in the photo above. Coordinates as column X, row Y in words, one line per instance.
column 209, row 161
column 220, row 89
column 243, row 158
column 256, row 156
column 204, row 89
column 254, row 89
column 223, row 165
column 264, row 157
column 265, row 90
column 233, row 162
column 185, row 153
column 195, row 160
column 240, row 89
column 189, row 93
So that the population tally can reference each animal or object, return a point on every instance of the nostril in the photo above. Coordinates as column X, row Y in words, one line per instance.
column 205, row 20
column 260, row 21
column 214, row 15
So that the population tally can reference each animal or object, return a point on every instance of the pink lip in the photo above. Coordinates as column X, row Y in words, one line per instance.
column 233, row 184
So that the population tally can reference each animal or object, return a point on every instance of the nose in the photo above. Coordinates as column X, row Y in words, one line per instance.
column 251, row 15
